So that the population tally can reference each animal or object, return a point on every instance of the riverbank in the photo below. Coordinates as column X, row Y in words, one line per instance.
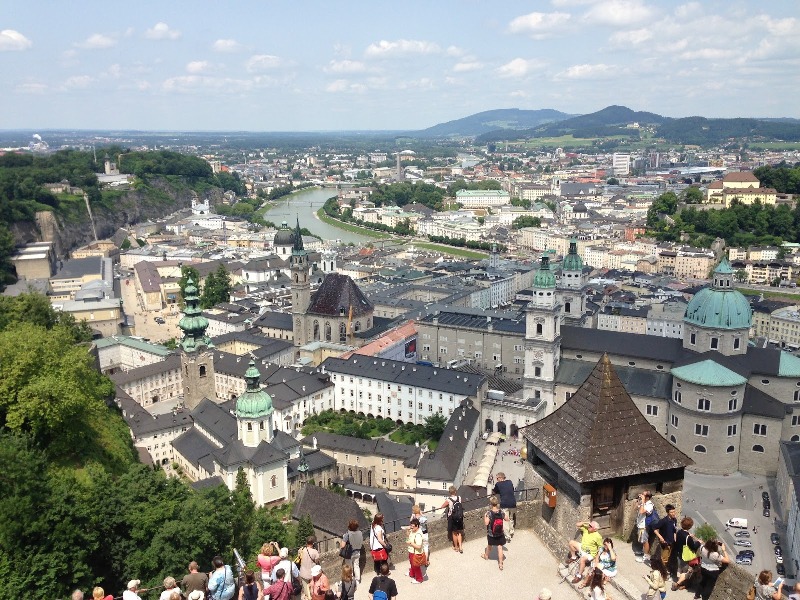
column 461, row 252
column 320, row 214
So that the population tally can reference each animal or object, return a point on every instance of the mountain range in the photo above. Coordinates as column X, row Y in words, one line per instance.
column 516, row 124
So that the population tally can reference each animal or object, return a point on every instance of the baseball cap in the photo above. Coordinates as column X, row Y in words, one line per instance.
column 316, row 570
column 133, row 583
column 594, row 525
column 196, row 595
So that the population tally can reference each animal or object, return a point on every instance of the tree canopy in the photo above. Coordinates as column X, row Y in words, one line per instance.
column 784, row 178
column 217, row 288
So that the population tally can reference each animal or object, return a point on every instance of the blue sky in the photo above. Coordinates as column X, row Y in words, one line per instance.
column 273, row 65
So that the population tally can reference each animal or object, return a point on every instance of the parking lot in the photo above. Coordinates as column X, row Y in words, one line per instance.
column 717, row 499
column 146, row 325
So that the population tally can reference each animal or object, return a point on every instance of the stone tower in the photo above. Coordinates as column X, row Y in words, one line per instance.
column 571, row 287
column 542, row 338
column 254, row 412
column 301, row 289
column 197, row 351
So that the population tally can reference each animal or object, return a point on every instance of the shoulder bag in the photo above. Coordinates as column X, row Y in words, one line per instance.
column 346, row 551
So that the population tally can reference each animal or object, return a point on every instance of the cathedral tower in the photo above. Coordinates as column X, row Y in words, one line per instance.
column 542, row 338
column 197, row 351
column 571, row 287
column 254, row 412
column 301, row 289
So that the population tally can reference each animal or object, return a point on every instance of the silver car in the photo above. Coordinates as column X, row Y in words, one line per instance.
column 743, row 542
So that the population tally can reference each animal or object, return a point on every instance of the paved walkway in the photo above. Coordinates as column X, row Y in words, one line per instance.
column 527, row 568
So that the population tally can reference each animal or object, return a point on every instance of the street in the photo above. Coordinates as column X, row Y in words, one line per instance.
column 715, row 499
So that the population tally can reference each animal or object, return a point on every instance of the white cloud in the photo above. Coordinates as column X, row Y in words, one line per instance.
column 587, row 71
column 710, row 54
column 688, row 10
column 97, row 41
column 345, row 66
column 31, row 87
column 192, row 83
column 454, row 51
column 519, row 67
column 386, row 48
column 11, row 40
column 226, row 46
column 780, row 27
column 424, row 83
column 78, row 82
column 631, row 38
column 161, row 31
column 538, row 24
column 114, row 71
column 618, row 13
column 465, row 66
column 342, row 86
column 519, row 94
column 198, row 66
column 263, row 62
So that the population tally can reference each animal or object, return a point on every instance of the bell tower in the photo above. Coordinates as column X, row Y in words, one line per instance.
column 301, row 289
column 197, row 351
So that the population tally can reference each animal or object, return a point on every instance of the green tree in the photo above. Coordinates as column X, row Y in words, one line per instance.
column 693, row 195
column 218, row 289
column 305, row 529
column 740, row 275
column 6, row 251
column 706, row 532
column 243, row 511
column 526, row 221
column 612, row 181
column 434, row 426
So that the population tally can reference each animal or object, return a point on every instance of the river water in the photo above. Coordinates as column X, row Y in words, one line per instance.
column 303, row 205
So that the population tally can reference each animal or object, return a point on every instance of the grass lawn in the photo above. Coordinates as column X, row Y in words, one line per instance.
column 783, row 295
column 452, row 250
column 352, row 228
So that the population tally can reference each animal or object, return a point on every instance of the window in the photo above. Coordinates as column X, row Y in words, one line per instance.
column 674, row 420
column 425, row 348
column 736, row 343
column 732, row 430
column 700, row 449
column 249, row 426
column 678, row 397
column 672, row 439
column 730, row 449
column 714, row 343
column 765, row 381
column 273, row 482
column 537, row 372
column 797, row 395
column 442, row 350
column 795, row 438
column 701, row 429
column 795, row 420
column 202, row 371
column 758, row 448
column 759, row 429
column 732, row 404
column 693, row 339
column 631, row 363
column 538, row 329
column 703, row 404
column 652, row 410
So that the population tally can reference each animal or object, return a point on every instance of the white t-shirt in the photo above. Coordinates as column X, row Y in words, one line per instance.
column 598, row 594
column 374, row 542
column 289, row 569
column 640, row 518
column 167, row 593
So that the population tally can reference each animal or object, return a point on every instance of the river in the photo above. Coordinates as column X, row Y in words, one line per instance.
column 303, row 205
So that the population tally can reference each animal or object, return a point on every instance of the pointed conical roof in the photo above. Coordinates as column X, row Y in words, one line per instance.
column 298, row 239
column 599, row 433
column 254, row 403
column 544, row 277
column 193, row 324
column 572, row 261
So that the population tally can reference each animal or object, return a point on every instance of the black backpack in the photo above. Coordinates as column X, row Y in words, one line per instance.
column 457, row 510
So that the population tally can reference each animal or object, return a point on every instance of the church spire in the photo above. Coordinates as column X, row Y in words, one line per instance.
column 193, row 324
column 298, row 238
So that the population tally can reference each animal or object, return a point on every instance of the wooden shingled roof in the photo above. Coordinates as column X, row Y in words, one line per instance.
column 599, row 433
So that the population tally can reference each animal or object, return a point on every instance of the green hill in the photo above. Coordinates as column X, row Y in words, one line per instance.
column 490, row 120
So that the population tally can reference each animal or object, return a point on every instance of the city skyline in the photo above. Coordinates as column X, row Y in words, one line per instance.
column 401, row 67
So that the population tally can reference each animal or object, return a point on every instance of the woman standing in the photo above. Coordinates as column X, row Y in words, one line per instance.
column 712, row 556
column 657, row 578
column 356, row 540
column 250, row 589
column 596, row 586
column 377, row 543
column 416, row 555
column 416, row 513
column 766, row 589
column 494, row 521
column 455, row 519
column 347, row 588
column 267, row 559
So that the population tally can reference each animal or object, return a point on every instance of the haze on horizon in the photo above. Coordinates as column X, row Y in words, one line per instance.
column 331, row 66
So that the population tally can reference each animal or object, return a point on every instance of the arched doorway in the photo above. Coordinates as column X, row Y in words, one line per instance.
column 501, row 427
column 489, row 426
column 514, row 430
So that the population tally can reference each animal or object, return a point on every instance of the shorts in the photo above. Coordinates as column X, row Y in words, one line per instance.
column 643, row 535
column 586, row 555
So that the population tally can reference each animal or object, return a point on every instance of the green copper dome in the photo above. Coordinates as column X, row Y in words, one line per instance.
column 544, row 277
column 720, row 306
column 254, row 403
column 572, row 261
column 193, row 324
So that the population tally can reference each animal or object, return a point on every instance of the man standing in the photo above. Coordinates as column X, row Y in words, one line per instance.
column 383, row 587
column 508, row 501
column 665, row 531
column 132, row 593
column 309, row 558
column 646, row 509
column 194, row 580
column 77, row 595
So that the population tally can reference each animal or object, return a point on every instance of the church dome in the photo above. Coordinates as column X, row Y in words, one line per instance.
column 284, row 236
column 572, row 261
column 720, row 306
column 254, row 403
column 544, row 277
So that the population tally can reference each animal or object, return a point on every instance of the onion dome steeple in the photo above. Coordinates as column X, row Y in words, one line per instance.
column 720, row 306
column 193, row 324
column 544, row 277
column 254, row 403
column 572, row 261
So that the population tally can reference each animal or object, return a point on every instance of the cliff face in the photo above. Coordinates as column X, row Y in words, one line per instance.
column 72, row 230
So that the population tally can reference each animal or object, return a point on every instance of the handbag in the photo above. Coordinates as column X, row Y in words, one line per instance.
column 387, row 546
column 418, row 560
column 380, row 554
column 346, row 551
column 688, row 555
column 296, row 587
column 751, row 593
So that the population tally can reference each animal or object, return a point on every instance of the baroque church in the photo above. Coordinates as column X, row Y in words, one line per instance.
column 718, row 398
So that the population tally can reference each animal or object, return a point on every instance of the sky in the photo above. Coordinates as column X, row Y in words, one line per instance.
column 304, row 65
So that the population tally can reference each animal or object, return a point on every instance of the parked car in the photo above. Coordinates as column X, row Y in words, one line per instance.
column 749, row 553
column 159, row 320
column 774, row 538
column 743, row 542
column 767, row 504
column 745, row 560
column 741, row 534
column 766, row 512
column 780, row 570
column 778, row 551
column 779, row 560
column 765, row 495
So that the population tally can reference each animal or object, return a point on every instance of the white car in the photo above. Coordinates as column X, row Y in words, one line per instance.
column 779, row 560
column 743, row 542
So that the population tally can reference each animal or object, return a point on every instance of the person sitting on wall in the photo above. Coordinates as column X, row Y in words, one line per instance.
column 587, row 548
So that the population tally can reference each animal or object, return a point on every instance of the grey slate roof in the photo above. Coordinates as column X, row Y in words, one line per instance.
column 447, row 381
column 584, row 435
column 329, row 511
column 619, row 343
column 236, row 453
column 757, row 402
column 207, row 483
column 194, row 447
column 171, row 363
column 337, row 295
column 377, row 447
column 216, row 420
column 442, row 465
column 284, row 442
column 638, row 382
column 274, row 320
column 316, row 461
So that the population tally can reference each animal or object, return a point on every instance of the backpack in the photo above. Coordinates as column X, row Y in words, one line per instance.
column 496, row 524
column 650, row 520
column 457, row 510
column 379, row 594
column 423, row 525
column 345, row 591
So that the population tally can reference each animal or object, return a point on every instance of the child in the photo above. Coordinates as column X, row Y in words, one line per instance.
column 657, row 577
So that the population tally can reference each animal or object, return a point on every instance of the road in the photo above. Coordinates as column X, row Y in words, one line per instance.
column 715, row 499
